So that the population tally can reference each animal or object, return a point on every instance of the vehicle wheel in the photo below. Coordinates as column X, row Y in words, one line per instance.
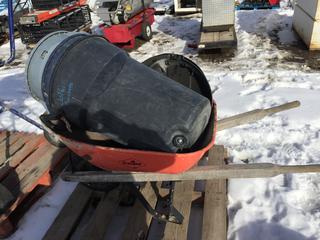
column 146, row 31
column 101, row 187
column 51, row 139
column 170, row 10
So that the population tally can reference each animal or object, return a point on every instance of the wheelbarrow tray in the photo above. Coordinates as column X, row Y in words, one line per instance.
column 112, row 158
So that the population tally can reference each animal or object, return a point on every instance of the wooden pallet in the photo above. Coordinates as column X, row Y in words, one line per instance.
column 217, row 40
column 27, row 162
column 95, row 215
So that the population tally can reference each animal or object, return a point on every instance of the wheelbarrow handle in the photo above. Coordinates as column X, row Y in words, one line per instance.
column 6, row 107
column 253, row 116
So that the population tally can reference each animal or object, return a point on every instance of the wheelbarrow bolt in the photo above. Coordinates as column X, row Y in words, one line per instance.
column 179, row 141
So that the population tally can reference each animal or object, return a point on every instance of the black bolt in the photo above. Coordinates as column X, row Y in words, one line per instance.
column 179, row 141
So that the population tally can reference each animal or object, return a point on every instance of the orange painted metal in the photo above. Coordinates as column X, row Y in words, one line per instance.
column 6, row 228
column 119, row 159
column 44, row 15
column 45, row 179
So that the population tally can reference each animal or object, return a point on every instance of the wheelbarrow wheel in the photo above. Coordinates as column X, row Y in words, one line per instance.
column 101, row 187
column 146, row 31
column 51, row 139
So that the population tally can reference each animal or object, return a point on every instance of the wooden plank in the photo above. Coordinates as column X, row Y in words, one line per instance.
column 36, row 169
column 31, row 146
column 11, row 150
column 217, row 39
column 226, row 36
column 96, row 229
column 26, row 174
column 139, row 219
column 4, row 135
column 21, row 185
column 215, row 203
column 182, row 200
column 21, row 155
column 67, row 220
column 9, row 141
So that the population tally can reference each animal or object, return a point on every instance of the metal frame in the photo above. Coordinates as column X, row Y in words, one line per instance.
column 174, row 215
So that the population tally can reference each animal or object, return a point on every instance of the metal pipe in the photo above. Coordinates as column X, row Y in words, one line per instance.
column 11, row 34
column 5, row 107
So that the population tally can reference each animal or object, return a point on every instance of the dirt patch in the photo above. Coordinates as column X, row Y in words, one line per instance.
column 300, row 54
column 218, row 55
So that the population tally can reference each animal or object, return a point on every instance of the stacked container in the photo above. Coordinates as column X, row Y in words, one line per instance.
column 306, row 22
column 217, row 15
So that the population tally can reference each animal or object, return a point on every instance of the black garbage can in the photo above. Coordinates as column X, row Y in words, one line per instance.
column 98, row 87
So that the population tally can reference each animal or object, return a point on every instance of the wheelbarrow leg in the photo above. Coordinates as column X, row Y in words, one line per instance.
column 174, row 216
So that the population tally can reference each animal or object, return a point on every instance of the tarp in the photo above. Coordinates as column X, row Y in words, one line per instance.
column 3, row 5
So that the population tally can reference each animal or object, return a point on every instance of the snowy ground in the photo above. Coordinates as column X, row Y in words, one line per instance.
column 269, row 67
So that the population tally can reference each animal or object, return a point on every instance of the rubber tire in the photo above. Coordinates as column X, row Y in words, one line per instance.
column 100, row 187
column 146, row 32
column 170, row 10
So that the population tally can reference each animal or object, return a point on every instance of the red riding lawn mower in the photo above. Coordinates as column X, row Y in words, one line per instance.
column 124, row 20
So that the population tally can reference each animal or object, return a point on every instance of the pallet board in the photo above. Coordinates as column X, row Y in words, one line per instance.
column 90, row 214
column 26, row 162
column 215, row 202
column 217, row 40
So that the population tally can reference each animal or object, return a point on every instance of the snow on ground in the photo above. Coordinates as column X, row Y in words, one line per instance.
column 269, row 67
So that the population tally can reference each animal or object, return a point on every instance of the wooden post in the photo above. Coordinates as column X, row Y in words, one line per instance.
column 215, row 203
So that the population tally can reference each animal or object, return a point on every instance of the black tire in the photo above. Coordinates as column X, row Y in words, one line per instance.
column 101, row 187
column 121, row 19
column 170, row 10
column 51, row 139
column 146, row 33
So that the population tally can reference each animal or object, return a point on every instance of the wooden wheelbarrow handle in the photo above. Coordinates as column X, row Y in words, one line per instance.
column 230, row 122
column 253, row 116
column 256, row 170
